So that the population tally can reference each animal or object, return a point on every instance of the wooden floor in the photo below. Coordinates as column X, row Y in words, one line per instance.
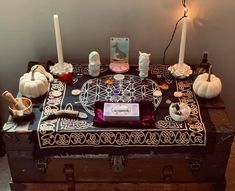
column 230, row 173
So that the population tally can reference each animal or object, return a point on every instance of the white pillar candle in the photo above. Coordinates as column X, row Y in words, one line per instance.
column 183, row 41
column 58, row 40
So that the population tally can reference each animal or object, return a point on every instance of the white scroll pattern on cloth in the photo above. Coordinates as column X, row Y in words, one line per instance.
column 194, row 124
column 80, row 133
column 83, row 69
column 161, row 70
column 49, row 130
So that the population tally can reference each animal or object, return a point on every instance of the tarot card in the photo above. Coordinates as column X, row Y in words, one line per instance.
column 119, row 50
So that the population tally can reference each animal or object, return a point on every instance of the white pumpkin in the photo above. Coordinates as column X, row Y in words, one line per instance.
column 207, row 85
column 33, row 84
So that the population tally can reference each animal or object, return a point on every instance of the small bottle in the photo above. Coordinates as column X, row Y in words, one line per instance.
column 13, row 101
column 203, row 67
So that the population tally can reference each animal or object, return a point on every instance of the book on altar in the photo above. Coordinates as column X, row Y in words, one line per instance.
column 121, row 112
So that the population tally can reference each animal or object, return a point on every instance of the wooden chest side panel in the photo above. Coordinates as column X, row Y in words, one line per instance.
column 157, row 168
column 207, row 186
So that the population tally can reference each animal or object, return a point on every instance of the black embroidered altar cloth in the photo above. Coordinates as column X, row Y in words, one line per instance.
column 66, row 135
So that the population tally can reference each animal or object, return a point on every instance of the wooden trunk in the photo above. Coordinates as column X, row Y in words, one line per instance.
column 173, row 171
column 177, row 170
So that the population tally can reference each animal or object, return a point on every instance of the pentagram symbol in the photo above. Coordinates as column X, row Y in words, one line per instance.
column 131, row 89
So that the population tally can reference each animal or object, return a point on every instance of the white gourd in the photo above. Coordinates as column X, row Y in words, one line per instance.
column 33, row 84
column 207, row 85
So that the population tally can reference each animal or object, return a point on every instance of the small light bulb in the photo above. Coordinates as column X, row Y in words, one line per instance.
column 185, row 11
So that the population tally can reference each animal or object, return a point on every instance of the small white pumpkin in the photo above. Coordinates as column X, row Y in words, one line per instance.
column 33, row 84
column 207, row 85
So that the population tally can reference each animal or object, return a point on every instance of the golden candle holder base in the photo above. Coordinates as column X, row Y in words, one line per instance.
column 180, row 71
column 59, row 69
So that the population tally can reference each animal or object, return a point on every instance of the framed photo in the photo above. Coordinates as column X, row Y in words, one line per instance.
column 119, row 50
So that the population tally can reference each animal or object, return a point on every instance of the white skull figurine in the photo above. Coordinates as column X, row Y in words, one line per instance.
column 144, row 64
column 94, row 64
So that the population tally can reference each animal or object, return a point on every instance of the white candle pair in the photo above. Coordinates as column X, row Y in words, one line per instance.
column 60, row 50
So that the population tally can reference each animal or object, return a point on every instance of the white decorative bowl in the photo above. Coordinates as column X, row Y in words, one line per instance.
column 180, row 114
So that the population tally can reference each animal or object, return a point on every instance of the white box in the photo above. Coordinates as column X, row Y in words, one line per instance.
column 121, row 112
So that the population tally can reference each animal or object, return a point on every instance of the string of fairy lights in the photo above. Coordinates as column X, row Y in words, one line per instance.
column 175, row 28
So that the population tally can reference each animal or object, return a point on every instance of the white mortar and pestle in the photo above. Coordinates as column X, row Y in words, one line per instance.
column 18, row 107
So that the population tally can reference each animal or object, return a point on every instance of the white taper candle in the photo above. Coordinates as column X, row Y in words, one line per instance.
column 58, row 40
column 183, row 41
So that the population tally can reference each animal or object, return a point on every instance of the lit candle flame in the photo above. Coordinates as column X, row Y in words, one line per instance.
column 185, row 11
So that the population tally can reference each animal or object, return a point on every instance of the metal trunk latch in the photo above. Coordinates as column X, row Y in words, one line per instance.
column 167, row 173
column 42, row 165
column 195, row 165
column 117, row 162
column 69, row 176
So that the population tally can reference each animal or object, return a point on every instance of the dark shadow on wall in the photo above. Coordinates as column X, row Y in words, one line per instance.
column 2, row 145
